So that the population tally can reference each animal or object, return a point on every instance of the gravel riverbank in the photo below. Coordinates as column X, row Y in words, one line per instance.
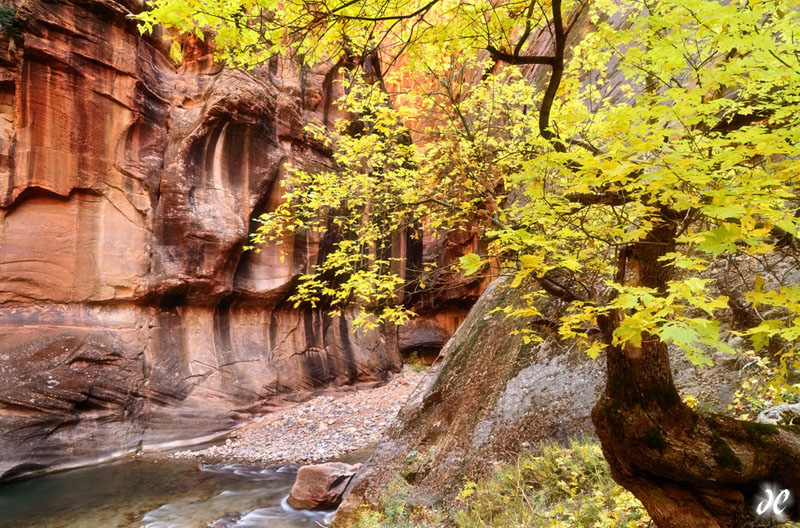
column 323, row 428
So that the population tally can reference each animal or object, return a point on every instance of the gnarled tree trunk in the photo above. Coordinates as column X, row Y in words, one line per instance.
column 689, row 469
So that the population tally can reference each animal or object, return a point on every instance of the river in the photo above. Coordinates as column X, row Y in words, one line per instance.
column 156, row 493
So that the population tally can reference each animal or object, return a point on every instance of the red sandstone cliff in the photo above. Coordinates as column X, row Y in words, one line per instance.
column 129, row 315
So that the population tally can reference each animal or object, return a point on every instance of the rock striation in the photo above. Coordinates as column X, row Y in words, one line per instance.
column 130, row 317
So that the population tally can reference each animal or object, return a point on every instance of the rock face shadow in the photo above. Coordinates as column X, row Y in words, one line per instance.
column 130, row 317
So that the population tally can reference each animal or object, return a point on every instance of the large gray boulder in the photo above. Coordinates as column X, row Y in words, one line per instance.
column 492, row 397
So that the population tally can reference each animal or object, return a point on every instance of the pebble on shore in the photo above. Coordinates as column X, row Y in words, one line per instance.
column 320, row 429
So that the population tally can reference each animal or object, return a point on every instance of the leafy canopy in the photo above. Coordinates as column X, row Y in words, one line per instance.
column 561, row 132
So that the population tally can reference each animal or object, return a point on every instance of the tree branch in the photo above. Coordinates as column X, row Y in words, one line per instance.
column 519, row 59
column 555, row 79
column 420, row 11
column 601, row 198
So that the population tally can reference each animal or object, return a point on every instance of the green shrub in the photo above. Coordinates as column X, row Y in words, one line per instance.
column 8, row 21
column 397, row 513
column 768, row 382
column 417, row 365
column 555, row 486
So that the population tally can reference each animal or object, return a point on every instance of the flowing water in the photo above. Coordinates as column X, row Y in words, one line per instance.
column 156, row 493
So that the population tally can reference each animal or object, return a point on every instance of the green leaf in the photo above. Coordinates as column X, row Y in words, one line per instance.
column 698, row 358
column 721, row 239
column 470, row 263
column 678, row 333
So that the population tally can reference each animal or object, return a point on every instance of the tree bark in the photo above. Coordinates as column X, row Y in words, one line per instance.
column 689, row 469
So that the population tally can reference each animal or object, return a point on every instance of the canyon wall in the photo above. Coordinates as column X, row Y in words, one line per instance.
column 130, row 317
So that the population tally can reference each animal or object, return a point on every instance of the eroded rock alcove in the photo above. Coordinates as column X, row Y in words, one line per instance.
column 130, row 318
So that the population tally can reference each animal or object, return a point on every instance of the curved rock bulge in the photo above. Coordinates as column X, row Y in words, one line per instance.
column 129, row 316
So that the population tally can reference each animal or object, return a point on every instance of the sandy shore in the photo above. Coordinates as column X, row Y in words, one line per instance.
column 323, row 428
